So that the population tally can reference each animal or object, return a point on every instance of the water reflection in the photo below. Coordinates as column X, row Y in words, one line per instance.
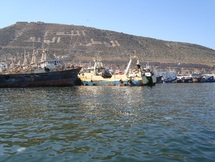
column 162, row 123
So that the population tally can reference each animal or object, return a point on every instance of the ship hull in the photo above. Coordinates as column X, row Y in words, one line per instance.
column 45, row 79
column 105, row 83
column 120, row 81
column 144, row 81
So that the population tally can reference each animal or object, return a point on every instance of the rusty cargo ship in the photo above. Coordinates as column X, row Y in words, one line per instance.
column 41, row 73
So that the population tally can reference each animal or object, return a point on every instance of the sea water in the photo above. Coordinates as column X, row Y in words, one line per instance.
column 167, row 122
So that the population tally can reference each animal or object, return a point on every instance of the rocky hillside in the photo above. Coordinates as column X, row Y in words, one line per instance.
column 80, row 44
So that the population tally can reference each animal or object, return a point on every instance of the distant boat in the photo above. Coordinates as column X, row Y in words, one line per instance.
column 99, row 75
column 37, row 74
column 184, row 79
column 209, row 78
column 140, row 76
column 166, row 76
column 196, row 78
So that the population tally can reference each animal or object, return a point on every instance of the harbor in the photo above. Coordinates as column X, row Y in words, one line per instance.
column 68, row 97
column 107, row 81
column 53, row 73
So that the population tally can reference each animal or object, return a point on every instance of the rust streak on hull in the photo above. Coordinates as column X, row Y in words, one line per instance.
column 48, row 79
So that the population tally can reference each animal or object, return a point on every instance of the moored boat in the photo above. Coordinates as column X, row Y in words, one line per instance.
column 99, row 75
column 38, row 74
column 184, row 79
column 209, row 78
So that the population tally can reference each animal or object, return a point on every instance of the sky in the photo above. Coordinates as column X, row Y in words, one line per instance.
column 190, row 21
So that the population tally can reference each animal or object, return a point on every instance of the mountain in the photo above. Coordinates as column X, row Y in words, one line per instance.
column 81, row 44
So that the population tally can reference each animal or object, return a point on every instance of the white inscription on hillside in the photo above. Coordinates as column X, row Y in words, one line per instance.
column 73, row 33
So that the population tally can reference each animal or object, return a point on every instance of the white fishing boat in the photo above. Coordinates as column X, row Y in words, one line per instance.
column 99, row 75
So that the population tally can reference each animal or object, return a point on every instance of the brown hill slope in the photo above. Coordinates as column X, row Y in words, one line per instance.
column 83, row 43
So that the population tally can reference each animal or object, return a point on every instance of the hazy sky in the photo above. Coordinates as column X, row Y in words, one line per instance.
column 191, row 21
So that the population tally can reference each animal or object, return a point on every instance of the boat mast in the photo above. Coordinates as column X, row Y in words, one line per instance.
column 128, row 66
column 25, row 61
column 43, row 58
column 97, row 64
column 130, row 61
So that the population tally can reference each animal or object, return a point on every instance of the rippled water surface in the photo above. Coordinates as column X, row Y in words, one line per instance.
column 168, row 122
